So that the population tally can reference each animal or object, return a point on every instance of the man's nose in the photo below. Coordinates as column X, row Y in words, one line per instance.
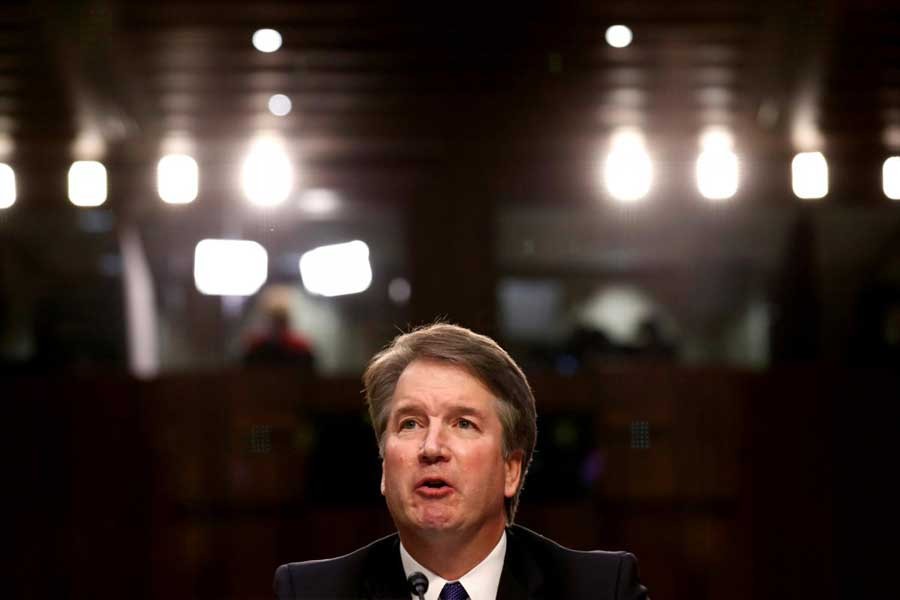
column 434, row 448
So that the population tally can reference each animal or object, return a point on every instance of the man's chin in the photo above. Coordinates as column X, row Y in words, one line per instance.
column 438, row 524
column 435, row 524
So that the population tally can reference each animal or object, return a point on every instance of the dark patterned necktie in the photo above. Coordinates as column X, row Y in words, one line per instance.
column 453, row 591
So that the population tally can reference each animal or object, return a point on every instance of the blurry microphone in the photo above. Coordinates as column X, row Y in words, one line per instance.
column 418, row 584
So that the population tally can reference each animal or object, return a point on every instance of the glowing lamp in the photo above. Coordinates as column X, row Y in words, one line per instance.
column 890, row 173
column 337, row 269
column 809, row 175
column 87, row 183
column 267, row 175
column 177, row 179
column 628, row 171
column 7, row 186
column 229, row 267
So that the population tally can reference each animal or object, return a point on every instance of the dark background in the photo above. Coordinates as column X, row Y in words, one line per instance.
column 744, row 451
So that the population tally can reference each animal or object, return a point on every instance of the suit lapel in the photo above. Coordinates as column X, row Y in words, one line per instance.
column 522, row 577
column 384, row 577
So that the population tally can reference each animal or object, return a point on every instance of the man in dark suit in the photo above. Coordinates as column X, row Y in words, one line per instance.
column 455, row 422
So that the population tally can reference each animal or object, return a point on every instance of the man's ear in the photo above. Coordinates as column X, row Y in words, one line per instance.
column 382, row 478
column 513, row 473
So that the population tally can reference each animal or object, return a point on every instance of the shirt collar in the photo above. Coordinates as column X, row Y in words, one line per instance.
column 481, row 582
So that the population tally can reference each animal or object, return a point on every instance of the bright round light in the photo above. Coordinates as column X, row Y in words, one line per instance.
column 337, row 269
column 628, row 171
column 7, row 186
column 87, row 183
column 229, row 267
column 809, row 175
column 177, row 178
column 891, row 178
column 717, row 174
column 279, row 105
column 267, row 40
column 618, row 36
column 267, row 175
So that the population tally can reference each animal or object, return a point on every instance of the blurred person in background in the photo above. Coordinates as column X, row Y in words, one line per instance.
column 455, row 422
column 279, row 344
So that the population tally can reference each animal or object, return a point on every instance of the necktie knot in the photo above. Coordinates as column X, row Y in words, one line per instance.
column 453, row 591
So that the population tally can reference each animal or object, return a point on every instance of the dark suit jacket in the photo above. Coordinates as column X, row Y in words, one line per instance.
column 534, row 567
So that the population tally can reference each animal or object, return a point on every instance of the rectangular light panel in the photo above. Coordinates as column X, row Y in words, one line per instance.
column 230, row 267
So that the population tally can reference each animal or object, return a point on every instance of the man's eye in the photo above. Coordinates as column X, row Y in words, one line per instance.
column 465, row 424
column 407, row 424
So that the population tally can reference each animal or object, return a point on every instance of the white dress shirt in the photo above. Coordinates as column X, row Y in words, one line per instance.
column 481, row 582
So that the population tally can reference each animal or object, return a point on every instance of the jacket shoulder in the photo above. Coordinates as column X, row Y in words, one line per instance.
column 339, row 577
column 596, row 573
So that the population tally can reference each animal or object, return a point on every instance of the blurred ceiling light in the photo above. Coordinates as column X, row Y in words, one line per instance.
column 177, row 179
column 399, row 290
column 628, row 171
column 7, row 186
column 337, row 269
column 717, row 165
column 229, row 267
column 619, row 36
column 87, row 183
column 809, row 175
column 890, row 178
column 717, row 174
column 266, row 40
column 319, row 201
column 267, row 175
column 279, row 105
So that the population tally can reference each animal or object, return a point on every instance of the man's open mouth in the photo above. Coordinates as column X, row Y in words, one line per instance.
column 434, row 486
column 433, row 483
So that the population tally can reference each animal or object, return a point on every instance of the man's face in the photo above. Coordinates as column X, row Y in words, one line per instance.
column 443, row 470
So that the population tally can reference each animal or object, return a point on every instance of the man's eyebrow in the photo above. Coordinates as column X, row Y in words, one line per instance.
column 465, row 409
column 402, row 407
column 407, row 406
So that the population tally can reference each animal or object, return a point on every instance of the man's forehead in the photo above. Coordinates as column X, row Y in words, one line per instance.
column 432, row 371
column 430, row 382
column 425, row 375
column 407, row 404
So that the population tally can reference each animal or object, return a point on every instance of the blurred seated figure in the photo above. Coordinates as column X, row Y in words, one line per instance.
column 593, row 347
column 588, row 344
column 279, row 345
column 651, row 342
